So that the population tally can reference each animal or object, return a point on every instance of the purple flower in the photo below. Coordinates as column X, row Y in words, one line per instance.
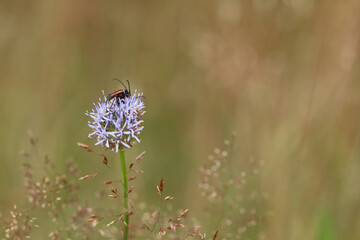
column 116, row 124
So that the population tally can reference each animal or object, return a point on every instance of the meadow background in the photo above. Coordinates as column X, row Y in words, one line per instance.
column 283, row 74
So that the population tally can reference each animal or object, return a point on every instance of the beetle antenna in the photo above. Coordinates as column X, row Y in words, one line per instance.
column 128, row 85
column 120, row 82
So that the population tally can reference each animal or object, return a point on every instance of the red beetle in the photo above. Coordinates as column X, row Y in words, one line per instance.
column 122, row 93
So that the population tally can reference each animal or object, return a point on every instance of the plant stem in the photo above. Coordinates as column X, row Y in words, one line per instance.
column 125, row 186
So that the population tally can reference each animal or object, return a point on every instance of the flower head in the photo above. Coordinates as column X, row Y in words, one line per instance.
column 117, row 123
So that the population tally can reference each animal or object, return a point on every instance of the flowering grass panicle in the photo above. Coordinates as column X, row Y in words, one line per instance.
column 53, row 201
column 117, row 123
column 19, row 225
column 160, row 221
column 230, row 184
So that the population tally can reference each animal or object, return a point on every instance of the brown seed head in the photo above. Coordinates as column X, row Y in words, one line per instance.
column 84, row 146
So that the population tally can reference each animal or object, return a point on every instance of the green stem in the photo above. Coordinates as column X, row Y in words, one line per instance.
column 125, row 186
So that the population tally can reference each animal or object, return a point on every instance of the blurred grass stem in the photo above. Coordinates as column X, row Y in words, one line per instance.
column 125, row 187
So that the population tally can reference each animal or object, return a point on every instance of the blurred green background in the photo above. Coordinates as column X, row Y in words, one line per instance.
column 283, row 74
